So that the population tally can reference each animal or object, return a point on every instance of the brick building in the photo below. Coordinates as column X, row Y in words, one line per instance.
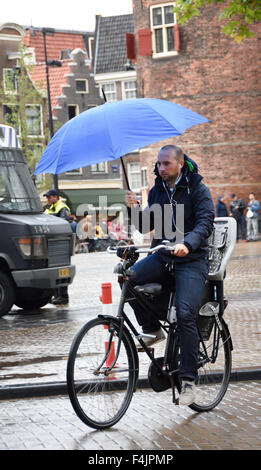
column 197, row 66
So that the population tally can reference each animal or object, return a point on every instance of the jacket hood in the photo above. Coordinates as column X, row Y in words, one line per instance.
column 190, row 169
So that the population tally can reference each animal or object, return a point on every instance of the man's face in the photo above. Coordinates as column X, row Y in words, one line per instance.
column 251, row 197
column 168, row 166
column 51, row 200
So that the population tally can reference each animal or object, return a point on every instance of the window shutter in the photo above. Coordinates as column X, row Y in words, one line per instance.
column 176, row 38
column 130, row 46
column 145, row 42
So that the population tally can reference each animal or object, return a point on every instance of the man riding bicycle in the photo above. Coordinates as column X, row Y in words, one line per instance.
column 177, row 183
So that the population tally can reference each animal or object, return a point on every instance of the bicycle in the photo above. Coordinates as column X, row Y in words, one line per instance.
column 103, row 362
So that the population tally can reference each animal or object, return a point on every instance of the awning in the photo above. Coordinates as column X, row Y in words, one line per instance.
column 97, row 198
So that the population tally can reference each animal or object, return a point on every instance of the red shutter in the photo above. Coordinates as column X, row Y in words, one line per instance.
column 130, row 46
column 145, row 42
column 176, row 38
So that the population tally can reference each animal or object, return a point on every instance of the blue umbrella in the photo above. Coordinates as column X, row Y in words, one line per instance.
column 109, row 131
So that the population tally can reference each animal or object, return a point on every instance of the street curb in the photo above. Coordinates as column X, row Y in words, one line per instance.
column 60, row 388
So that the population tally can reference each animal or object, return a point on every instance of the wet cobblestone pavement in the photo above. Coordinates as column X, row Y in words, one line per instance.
column 34, row 350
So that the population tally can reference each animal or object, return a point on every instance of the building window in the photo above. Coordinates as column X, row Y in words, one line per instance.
column 99, row 167
column 110, row 91
column 11, row 117
column 134, row 174
column 10, row 82
column 33, row 119
column 76, row 171
column 162, row 24
column 81, row 86
column 129, row 89
column 73, row 110
column 144, row 179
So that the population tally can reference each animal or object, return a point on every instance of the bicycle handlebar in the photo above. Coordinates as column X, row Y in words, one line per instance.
column 142, row 248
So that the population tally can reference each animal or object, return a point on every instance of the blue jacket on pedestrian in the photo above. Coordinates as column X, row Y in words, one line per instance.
column 221, row 210
column 254, row 206
column 198, row 210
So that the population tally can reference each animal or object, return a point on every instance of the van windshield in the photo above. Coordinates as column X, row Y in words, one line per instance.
column 17, row 191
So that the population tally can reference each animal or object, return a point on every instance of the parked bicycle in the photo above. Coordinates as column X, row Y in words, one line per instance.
column 103, row 363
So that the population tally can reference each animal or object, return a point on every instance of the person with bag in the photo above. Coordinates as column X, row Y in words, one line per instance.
column 252, row 218
column 237, row 207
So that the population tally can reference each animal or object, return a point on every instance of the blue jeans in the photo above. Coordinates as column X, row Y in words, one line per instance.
column 241, row 224
column 189, row 280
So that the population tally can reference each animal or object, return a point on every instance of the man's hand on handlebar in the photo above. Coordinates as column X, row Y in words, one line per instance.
column 180, row 250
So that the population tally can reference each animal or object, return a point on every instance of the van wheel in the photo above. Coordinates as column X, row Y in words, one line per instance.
column 30, row 299
column 7, row 294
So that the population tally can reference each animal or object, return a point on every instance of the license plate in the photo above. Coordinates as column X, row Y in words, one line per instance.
column 65, row 272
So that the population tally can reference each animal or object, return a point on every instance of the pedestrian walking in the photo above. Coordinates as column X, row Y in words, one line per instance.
column 252, row 218
column 221, row 209
column 236, row 208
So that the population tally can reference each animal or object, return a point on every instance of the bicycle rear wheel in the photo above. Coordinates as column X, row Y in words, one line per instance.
column 214, row 368
column 100, row 397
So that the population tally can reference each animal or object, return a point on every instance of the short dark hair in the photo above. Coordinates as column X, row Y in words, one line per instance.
column 233, row 195
column 177, row 150
column 252, row 193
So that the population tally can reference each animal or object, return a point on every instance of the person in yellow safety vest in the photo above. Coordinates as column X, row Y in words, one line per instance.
column 58, row 208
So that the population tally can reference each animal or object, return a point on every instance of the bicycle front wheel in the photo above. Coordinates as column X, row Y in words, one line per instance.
column 100, row 394
column 214, row 367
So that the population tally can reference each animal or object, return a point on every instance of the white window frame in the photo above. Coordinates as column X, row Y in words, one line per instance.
column 99, row 172
column 144, row 169
column 130, row 175
column 164, row 27
column 86, row 85
column 109, row 93
column 125, row 91
column 41, row 119
column 76, row 108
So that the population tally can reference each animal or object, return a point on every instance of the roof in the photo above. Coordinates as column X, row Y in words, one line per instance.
column 56, row 78
column 61, row 40
column 110, row 53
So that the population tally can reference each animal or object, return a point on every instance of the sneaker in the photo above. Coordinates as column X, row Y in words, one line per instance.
column 60, row 301
column 155, row 337
column 188, row 393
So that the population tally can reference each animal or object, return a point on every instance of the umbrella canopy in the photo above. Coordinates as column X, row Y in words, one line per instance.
column 109, row 131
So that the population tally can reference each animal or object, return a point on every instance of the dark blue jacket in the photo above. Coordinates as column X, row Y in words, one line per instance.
column 198, row 210
column 221, row 210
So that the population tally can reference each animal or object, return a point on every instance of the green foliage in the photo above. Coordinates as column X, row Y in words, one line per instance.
column 17, row 92
column 238, row 14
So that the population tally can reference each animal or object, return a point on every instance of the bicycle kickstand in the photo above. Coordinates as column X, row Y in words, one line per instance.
column 174, row 399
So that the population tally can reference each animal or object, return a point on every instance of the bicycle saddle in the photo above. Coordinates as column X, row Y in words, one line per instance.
column 149, row 289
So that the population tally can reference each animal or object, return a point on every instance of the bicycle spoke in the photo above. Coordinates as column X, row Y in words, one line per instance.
column 100, row 391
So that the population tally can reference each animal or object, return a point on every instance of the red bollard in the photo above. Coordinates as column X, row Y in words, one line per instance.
column 106, row 299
